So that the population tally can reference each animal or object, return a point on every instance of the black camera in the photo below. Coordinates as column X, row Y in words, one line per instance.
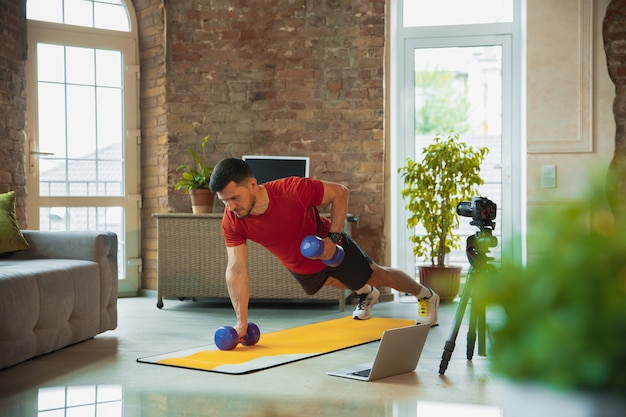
column 480, row 209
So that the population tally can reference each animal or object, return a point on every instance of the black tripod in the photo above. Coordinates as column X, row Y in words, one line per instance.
column 477, row 251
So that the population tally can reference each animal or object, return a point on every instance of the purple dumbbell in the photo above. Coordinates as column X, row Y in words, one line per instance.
column 226, row 337
column 312, row 247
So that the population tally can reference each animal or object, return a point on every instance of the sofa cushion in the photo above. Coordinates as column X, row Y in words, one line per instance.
column 11, row 238
column 47, row 304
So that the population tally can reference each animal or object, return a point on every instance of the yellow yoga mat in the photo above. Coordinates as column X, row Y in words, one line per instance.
column 281, row 347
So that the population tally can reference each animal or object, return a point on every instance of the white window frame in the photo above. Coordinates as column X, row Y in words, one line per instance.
column 40, row 31
column 404, row 40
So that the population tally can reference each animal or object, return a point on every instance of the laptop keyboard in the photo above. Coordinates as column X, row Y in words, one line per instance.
column 364, row 373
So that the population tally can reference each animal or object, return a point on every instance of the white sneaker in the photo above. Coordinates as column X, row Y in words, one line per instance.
column 364, row 304
column 427, row 309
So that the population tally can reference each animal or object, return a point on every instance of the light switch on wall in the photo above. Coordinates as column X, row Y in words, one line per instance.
column 548, row 176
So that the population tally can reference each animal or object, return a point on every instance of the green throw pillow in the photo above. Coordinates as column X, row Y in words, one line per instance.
column 11, row 238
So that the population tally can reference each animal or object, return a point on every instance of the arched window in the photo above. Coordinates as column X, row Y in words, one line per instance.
column 83, row 123
column 100, row 14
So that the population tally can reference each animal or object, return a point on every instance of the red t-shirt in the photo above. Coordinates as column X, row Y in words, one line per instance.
column 291, row 215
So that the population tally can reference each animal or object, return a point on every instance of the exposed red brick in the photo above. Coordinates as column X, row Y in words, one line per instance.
column 282, row 77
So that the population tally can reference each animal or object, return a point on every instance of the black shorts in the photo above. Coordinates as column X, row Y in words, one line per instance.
column 353, row 272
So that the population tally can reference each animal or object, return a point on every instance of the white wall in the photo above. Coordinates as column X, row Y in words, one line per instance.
column 570, row 120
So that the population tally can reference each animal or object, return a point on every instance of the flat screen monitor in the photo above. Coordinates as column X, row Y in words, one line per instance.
column 267, row 168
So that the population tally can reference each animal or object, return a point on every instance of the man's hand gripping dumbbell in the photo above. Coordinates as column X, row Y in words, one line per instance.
column 314, row 247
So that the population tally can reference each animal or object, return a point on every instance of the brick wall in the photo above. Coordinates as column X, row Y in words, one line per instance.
column 287, row 77
column 614, row 33
column 265, row 76
column 12, row 104
column 295, row 77
column 281, row 77
column 154, row 143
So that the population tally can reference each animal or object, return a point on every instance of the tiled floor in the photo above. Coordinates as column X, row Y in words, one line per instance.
column 107, row 364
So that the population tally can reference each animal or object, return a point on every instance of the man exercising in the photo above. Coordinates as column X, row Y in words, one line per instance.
column 278, row 215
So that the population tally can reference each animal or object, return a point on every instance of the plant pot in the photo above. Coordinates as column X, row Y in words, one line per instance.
column 444, row 280
column 201, row 200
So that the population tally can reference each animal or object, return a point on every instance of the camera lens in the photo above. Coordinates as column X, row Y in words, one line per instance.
column 464, row 208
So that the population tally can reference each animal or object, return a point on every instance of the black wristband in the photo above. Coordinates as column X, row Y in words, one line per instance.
column 335, row 237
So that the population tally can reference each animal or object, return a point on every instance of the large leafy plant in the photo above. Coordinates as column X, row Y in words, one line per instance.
column 195, row 176
column 448, row 173
column 564, row 312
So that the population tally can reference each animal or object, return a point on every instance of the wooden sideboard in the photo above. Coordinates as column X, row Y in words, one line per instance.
column 192, row 263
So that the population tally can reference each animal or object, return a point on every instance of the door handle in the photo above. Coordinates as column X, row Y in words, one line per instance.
column 33, row 154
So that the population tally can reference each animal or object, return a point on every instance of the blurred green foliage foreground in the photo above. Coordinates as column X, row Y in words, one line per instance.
column 565, row 310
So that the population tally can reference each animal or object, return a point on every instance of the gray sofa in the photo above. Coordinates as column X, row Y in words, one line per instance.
column 60, row 291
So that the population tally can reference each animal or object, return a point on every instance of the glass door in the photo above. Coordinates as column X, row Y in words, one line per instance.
column 461, row 84
column 82, row 139
column 460, row 89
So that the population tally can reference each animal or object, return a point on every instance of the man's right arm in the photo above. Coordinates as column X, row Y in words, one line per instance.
column 237, row 283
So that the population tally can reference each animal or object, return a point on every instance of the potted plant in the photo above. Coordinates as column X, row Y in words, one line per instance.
column 561, row 333
column 194, row 179
column 448, row 173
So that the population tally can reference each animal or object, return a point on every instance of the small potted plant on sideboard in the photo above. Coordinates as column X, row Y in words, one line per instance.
column 194, row 179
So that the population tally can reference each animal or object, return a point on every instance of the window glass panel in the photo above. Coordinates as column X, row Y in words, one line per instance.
column 45, row 10
column 57, row 188
column 101, row 14
column 81, row 130
column 57, row 176
column 111, row 17
column 50, row 63
column 80, row 174
column 110, row 177
column 456, row 12
column 94, row 132
column 460, row 89
column 108, row 68
column 78, row 12
column 78, row 188
column 52, row 119
column 88, row 218
column 110, row 130
column 80, row 65
column 77, row 218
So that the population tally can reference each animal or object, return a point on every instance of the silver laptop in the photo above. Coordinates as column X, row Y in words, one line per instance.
column 398, row 352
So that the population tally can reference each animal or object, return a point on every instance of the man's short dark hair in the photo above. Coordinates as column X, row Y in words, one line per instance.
column 227, row 170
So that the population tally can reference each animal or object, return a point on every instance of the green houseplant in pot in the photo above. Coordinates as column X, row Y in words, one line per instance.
column 562, row 327
column 194, row 179
column 448, row 173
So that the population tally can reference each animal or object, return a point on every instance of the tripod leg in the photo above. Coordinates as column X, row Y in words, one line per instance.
column 482, row 326
column 471, row 331
column 482, row 321
column 458, row 318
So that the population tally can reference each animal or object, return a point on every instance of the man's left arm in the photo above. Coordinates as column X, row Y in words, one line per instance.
column 336, row 195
